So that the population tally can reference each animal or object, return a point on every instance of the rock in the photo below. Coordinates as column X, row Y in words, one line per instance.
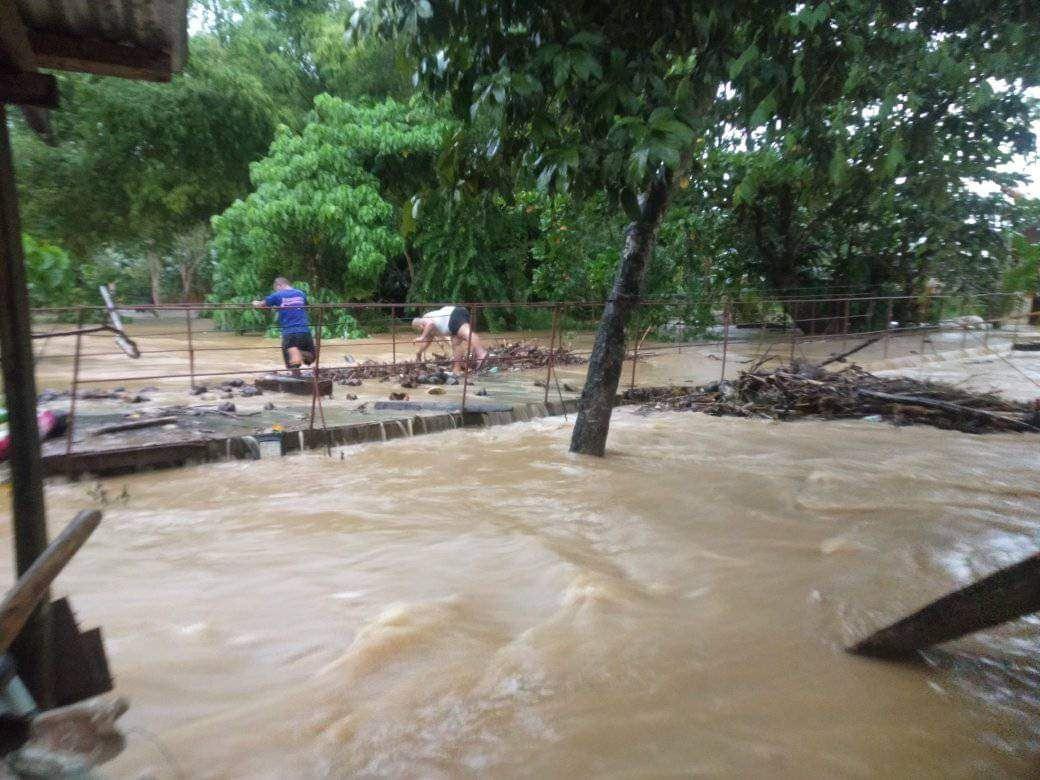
column 353, row 382
column 269, row 406
column 408, row 381
column 227, row 406
column 398, row 396
column 137, row 399
column 118, row 389
column 228, row 394
column 482, row 391
column 249, row 391
column 236, row 383
column 873, row 418
column 198, row 390
column 49, row 395
column 437, row 391
column 539, row 383
column 350, row 397
column 149, row 390
column 569, row 387
column 451, row 380
column 350, row 359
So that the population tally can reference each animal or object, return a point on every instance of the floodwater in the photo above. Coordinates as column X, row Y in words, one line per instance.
column 484, row 603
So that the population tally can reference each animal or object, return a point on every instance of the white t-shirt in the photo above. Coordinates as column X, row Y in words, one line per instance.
column 440, row 318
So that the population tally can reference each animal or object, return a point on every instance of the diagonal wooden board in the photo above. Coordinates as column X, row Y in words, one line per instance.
column 1002, row 596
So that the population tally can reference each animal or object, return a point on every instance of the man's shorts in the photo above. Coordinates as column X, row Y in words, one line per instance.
column 303, row 342
column 459, row 317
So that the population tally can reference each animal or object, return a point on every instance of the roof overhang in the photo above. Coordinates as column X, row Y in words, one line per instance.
column 130, row 39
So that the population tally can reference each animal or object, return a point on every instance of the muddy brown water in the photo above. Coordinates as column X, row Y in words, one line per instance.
column 483, row 603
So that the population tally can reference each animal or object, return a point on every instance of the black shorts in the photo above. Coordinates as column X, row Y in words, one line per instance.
column 303, row 342
column 459, row 317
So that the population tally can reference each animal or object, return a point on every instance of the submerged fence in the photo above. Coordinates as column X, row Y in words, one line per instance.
column 189, row 346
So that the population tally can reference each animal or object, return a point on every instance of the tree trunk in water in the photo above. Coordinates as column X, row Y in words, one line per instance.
column 608, row 353
column 155, row 272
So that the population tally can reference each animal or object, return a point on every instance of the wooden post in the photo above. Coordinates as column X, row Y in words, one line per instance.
column 74, row 387
column 635, row 356
column 888, row 327
column 552, row 351
column 191, row 348
column 32, row 586
column 465, row 365
column 1002, row 596
column 725, row 337
column 29, row 521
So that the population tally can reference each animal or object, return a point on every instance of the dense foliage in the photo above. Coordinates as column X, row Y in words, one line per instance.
column 466, row 150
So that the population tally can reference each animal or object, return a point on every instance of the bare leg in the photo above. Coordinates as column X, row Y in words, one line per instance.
column 458, row 353
column 468, row 336
column 293, row 359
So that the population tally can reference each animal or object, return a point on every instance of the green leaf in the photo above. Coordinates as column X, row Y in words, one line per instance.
column 765, row 110
column 750, row 54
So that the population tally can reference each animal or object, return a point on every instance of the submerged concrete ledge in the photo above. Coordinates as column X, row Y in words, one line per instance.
column 125, row 460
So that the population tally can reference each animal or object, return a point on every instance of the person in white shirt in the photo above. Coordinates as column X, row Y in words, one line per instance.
column 453, row 322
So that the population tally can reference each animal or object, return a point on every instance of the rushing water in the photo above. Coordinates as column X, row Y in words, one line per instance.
column 477, row 603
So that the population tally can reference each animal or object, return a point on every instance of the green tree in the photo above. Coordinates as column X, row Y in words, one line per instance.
column 328, row 201
column 48, row 268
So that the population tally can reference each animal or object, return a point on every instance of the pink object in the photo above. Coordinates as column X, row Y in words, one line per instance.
column 47, row 422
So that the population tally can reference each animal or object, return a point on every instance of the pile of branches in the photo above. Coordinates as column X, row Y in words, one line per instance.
column 810, row 391
column 515, row 356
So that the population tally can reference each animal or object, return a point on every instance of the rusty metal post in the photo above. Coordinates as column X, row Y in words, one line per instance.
column 888, row 329
column 393, row 332
column 465, row 365
column 552, row 351
column 725, row 336
column 74, row 387
column 191, row 347
column 315, row 384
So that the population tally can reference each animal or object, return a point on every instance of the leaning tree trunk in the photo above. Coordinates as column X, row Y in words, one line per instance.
column 608, row 353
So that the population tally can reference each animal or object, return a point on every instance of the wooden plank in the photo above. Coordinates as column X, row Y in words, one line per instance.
column 288, row 384
column 133, row 425
column 80, row 666
column 16, row 357
column 104, row 58
column 34, row 584
column 123, row 459
column 1005, row 595
column 29, row 89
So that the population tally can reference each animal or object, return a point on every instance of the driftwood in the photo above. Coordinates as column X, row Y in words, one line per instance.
column 518, row 354
column 810, row 391
column 1002, row 596
column 32, row 586
column 853, row 351
column 134, row 425
column 1011, row 422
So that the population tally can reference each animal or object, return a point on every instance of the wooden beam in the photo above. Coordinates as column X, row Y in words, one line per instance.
column 1004, row 595
column 16, row 360
column 29, row 89
column 92, row 55
column 32, row 586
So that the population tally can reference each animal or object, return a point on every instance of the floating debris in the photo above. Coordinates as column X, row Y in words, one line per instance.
column 810, row 391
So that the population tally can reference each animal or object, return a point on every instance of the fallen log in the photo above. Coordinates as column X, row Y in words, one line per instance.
column 1004, row 595
column 933, row 403
column 132, row 425
column 32, row 586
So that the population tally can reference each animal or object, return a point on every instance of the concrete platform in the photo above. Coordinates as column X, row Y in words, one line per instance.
column 287, row 384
